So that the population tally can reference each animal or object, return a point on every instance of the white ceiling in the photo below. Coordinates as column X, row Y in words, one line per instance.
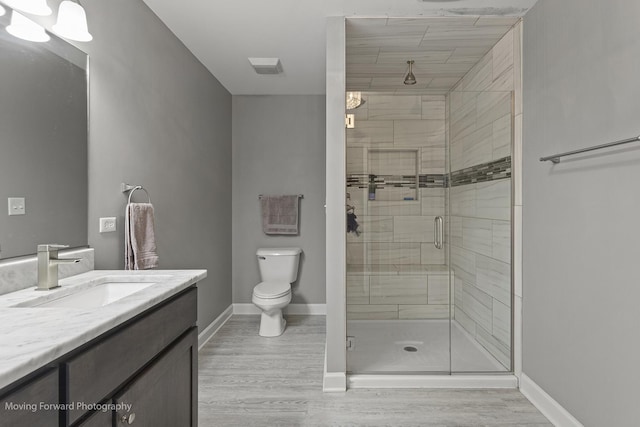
column 223, row 34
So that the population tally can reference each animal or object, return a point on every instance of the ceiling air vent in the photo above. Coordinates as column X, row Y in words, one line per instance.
column 266, row 65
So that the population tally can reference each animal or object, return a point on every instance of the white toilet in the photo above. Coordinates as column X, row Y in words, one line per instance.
column 278, row 269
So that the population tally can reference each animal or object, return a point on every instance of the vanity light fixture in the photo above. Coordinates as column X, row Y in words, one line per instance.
column 354, row 100
column 25, row 29
column 410, row 79
column 33, row 7
column 72, row 22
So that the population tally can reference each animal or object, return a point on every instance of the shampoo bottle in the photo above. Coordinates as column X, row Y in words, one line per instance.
column 372, row 187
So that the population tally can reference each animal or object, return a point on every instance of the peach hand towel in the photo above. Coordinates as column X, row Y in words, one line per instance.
column 140, row 241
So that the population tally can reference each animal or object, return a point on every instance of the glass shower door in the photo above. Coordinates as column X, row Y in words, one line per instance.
column 480, row 144
column 415, row 305
column 398, row 298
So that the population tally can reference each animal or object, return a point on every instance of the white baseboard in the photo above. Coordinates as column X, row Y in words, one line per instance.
column 307, row 309
column 551, row 409
column 210, row 331
column 432, row 381
column 333, row 382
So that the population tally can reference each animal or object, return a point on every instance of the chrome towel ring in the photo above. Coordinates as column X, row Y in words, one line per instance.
column 132, row 189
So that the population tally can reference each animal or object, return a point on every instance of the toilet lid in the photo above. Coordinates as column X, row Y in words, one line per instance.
column 271, row 289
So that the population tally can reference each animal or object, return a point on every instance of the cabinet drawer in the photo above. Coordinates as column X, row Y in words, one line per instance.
column 24, row 406
column 97, row 372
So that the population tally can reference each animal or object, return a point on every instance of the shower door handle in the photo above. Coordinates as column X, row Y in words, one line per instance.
column 437, row 232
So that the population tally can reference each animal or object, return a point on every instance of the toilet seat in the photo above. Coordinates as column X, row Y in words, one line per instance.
column 271, row 290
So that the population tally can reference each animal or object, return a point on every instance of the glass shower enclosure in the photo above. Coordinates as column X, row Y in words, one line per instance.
column 429, row 281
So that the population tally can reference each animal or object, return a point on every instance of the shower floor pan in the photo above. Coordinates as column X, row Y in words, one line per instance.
column 415, row 346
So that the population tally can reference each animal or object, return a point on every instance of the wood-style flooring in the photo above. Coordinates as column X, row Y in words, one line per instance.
column 247, row 380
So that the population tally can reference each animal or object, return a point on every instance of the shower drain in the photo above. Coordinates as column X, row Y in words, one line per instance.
column 410, row 349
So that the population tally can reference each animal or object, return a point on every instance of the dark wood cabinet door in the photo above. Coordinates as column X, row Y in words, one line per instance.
column 98, row 419
column 95, row 373
column 32, row 404
column 165, row 393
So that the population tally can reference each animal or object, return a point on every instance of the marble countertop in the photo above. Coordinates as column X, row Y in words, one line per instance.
column 32, row 337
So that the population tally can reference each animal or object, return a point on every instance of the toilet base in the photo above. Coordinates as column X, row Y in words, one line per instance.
column 272, row 324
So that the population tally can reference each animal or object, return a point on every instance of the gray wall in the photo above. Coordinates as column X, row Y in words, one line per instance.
column 158, row 118
column 279, row 148
column 581, row 217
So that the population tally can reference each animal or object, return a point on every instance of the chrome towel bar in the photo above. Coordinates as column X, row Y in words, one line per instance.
column 299, row 196
column 556, row 157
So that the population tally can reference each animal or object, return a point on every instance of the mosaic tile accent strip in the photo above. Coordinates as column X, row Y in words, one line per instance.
column 433, row 181
column 406, row 181
column 490, row 171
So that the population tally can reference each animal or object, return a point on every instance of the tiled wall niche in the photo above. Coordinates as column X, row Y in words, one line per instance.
column 481, row 121
column 394, row 270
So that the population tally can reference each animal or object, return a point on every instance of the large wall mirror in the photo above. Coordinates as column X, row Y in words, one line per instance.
column 43, row 142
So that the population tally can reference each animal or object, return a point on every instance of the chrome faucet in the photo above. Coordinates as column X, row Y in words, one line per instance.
column 48, row 266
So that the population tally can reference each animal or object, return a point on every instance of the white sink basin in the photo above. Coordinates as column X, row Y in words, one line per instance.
column 93, row 293
column 98, row 296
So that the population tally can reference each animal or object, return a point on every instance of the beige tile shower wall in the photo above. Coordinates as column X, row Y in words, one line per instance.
column 395, row 272
column 481, row 117
column 481, row 262
column 392, row 292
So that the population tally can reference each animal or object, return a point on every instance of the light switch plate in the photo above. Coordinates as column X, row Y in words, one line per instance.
column 108, row 224
column 16, row 206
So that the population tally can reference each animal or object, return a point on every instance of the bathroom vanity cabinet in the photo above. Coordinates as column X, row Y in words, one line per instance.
column 24, row 402
column 150, row 363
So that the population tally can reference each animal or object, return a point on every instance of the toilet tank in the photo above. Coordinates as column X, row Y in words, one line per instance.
column 278, row 264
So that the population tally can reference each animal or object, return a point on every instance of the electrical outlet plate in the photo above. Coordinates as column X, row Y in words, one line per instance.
column 16, row 206
column 108, row 224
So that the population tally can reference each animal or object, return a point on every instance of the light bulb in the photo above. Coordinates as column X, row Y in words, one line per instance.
column 33, row 7
column 72, row 22
column 24, row 28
